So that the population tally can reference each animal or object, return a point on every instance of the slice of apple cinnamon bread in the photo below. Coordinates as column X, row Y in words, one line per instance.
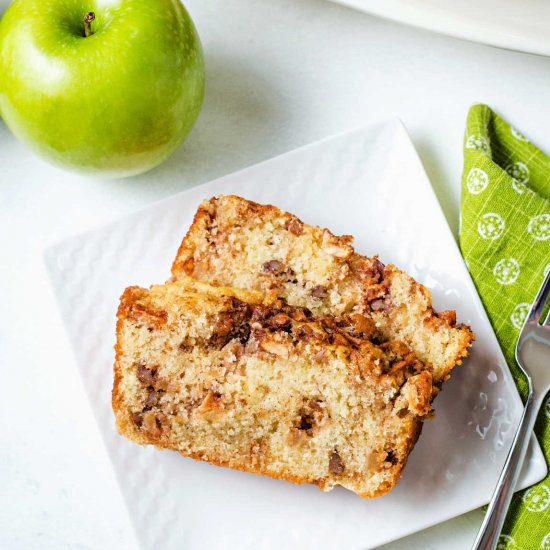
column 239, row 243
column 218, row 375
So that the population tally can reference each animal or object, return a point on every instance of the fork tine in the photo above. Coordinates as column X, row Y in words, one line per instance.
column 540, row 301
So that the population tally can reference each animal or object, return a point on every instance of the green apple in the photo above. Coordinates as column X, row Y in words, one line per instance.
column 100, row 86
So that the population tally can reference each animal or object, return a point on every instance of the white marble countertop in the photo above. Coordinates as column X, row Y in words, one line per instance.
column 280, row 74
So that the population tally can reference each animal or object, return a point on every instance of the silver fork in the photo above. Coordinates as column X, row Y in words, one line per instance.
column 533, row 358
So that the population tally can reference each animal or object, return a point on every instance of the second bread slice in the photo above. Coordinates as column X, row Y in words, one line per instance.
column 238, row 243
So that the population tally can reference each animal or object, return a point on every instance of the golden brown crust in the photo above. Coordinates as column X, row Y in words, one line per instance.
column 213, row 251
column 184, row 261
column 253, row 334
column 117, row 394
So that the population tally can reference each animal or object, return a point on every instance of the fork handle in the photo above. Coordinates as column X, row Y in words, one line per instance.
column 487, row 537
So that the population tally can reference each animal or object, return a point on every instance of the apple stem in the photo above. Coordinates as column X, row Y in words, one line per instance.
column 88, row 18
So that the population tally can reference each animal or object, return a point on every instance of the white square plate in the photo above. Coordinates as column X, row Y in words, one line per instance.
column 368, row 183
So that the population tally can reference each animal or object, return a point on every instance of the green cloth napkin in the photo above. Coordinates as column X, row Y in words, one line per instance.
column 505, row 240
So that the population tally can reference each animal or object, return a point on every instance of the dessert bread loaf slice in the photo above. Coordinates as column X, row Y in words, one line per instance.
column 217, row 375
column 239, row 243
